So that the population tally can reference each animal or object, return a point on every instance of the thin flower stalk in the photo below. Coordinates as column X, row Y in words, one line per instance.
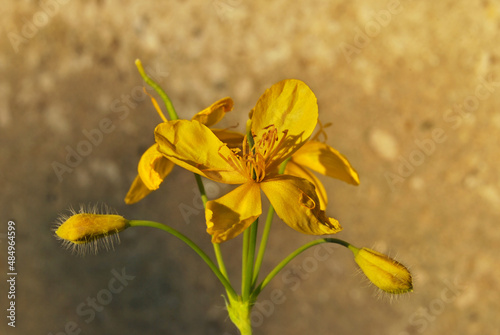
column 173, row 116
column 192, row 245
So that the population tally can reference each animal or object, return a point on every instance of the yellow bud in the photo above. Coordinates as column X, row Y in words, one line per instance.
column 82, row 231
column 386, row 273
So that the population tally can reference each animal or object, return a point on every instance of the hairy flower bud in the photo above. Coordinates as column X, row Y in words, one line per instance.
column 386, row 273
column 87, row 230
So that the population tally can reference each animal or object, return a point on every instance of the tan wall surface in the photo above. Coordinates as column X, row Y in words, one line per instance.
column 412, row 89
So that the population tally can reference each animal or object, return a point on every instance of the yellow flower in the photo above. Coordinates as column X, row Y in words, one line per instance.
column 87, row 228
column 154, row 167
column 320, row 157
column 386, row 273
column 316, row 156
column 281, row 122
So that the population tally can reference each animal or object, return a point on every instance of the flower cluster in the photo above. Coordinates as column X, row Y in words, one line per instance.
column 280, row 125
column 277, row 156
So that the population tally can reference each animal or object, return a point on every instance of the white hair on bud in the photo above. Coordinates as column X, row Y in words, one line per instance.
column 94, row 244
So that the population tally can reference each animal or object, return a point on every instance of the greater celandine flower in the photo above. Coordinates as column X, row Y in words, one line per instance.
column 154, row 167
column 313, row 156
column 281, row 122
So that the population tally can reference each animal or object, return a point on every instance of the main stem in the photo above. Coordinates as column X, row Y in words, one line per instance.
column 248, row 255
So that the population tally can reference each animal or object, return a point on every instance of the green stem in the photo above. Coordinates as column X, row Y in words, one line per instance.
column 263, row 245
column 239, row 312
column 251, row 251
column 244, row 260
column 265, row 234
column 220, row 260
column 218, row 253
column 248, row 255
column 201, row 187
column 183, row 238
column 158, row 89
column 294, row 254
column 249, row 239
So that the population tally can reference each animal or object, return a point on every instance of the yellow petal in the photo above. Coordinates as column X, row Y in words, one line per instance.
column 230, row 215
column 233, row 139
column 290, row 106
column 297, row 204
column 154, row 167
column 322, row 158
column 213, row 114
column 137, row 191
column 194, row 147
column 299, row 171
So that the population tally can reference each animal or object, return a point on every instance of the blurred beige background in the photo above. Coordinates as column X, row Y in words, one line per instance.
column 412, row 90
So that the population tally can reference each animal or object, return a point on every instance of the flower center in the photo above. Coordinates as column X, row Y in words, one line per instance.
column 255, row 160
